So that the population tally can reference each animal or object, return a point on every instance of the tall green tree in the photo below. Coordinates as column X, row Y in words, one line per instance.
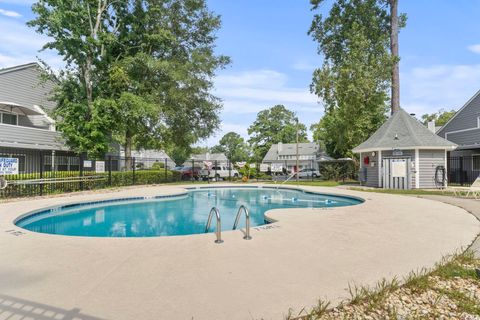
column 441, row 117
column 274, row 125
column 234, row 147
column 353, row 82
column 151, row 68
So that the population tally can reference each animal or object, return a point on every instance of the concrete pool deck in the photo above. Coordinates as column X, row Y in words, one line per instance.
column 306, row 255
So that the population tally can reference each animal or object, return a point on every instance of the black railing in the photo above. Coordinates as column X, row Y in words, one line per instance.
column 463, row 170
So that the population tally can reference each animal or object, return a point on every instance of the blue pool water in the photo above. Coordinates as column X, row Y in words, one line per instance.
column 168, row 216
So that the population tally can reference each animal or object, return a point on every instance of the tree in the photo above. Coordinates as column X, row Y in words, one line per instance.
column 234, row 147
column 356, row 73
column 139, row 72
column 395, row 94
column 274, row 125
column 441, row 117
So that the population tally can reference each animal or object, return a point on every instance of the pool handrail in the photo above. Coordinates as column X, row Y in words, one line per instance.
column 218, row 230
column 241, row 209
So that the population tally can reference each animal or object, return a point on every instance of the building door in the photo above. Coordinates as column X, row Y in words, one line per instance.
column 396, row 173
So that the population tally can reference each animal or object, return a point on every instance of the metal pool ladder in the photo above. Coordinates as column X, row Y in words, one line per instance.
column 218, row 230
column 247, row 221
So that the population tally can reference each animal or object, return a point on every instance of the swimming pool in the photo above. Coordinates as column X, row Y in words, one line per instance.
column 172, row 215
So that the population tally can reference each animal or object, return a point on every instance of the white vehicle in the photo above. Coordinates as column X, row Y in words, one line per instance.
column 308, row 173
column 218, row 172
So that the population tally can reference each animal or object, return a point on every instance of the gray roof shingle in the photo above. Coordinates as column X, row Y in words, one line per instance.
column 410, row 133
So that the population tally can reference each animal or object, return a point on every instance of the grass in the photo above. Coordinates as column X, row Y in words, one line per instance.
column 457, row 266
column 319, row 183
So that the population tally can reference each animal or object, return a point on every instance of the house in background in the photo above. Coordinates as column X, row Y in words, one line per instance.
column 284, row 156
column 403, row 154
column 219, row 158
column 25, row 127
column 147, row 158
column 464, row 130
column 28, row 133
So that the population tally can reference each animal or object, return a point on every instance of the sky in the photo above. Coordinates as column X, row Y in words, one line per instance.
column 273, row 57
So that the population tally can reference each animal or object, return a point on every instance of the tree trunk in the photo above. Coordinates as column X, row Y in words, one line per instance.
column 128, row 151
column 395, row 96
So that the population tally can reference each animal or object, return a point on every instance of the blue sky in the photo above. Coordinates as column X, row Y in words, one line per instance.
column 273, row 57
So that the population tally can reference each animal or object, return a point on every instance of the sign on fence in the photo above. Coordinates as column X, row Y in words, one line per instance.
column 87, row 163
column 8, row 166
column 100, row 166
column 264, row 167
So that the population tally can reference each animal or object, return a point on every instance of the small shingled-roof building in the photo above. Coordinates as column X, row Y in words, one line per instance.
column 403, row 154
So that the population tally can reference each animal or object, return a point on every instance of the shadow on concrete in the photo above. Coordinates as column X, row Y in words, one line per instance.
column 16, row 308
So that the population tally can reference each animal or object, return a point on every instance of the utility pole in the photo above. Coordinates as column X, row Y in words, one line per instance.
column 395, row 94
column 297, row 150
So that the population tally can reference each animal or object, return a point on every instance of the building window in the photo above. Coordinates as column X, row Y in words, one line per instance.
column 476, row 162
column 8, row 118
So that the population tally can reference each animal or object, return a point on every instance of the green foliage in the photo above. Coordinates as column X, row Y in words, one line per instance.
column 234, row 147
column 441, row 117
column 199, row 150
column 338, row 170
column 139, row 72
column 158, row 165
column 274, row 125
column 354, row 79
column 72, row 182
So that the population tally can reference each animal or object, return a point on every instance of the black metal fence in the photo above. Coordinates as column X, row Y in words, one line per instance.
column 42, row 173
column 463, row 170
column 38, row 173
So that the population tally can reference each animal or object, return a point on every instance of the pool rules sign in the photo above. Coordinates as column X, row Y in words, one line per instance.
column 8, row 166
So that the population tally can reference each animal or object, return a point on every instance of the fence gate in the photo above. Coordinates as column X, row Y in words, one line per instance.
column 396, row 173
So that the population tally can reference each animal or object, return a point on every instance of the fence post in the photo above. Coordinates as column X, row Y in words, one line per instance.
column 461, row 171
column 41, row 171
column 229, row 170
column 110, row 171
column 258, row 170
column 193, row 168
column 165, row 168
column 216, row 179
column 80, row 169
column 133, row 170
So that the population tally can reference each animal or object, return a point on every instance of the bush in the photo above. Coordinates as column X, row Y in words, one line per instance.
column 77, row 183
column 338, row 170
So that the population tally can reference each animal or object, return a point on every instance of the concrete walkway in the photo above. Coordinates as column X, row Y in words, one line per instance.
column 307, row 255
column 471, row 205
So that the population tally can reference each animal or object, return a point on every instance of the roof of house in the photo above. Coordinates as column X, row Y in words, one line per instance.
column 22, row 84
column 402, row 131
column 209, row 156
column 458, row 113
column 282, row 149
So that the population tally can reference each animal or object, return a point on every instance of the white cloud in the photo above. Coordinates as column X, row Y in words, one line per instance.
column 475, row 48
column 20, row 44
column 246, row 93
column 304, row 66
column 9, row 13
column 428, row 89
column 263, row 78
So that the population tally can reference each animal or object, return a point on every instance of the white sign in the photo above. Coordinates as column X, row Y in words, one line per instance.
column 399, row 168
column 87, row 163
column 253, row 165
column 277, row 167
column 207, row 164
column 241, row 164
column 100, row 166
column 263, row 167
column 8, row 165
